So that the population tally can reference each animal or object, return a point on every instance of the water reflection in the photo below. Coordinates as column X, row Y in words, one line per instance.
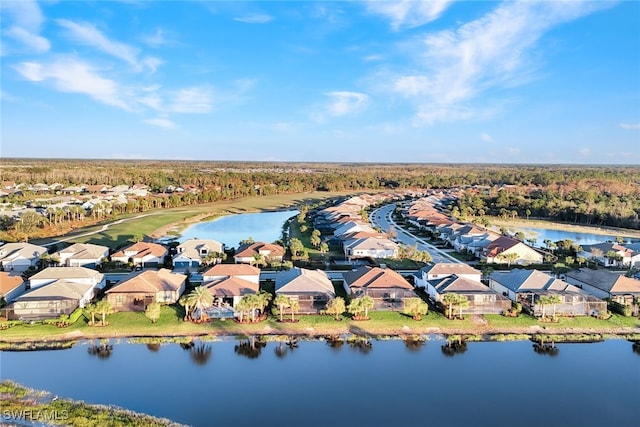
column 286, row 346
column 200, row 353
column 361, row 344
column 451, row 348
column 153, row 347
column 636, row 347
column 414, row 344
column 250, row 347
column 335, row 342
column 102, row 350
column 546, row 349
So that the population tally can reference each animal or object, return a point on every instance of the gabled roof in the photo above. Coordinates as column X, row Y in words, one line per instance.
column 68, row 273
column 457, row 268
column 519, row 280
column 142, row 249
column 609, row 246
column 232, row 270
column 191, row 248
column 9, row 282
column 375, row 278
column 370, row 243
column 501, row 244
column 150, row 281
column 606, row 280
column 301, row 280
column 459, row 284
column 24, row 250
column 60, row 289
column 85, row 251
column 248, row 250
column 231, row 287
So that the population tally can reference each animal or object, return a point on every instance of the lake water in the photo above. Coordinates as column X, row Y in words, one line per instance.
column 231, row 229
column 540, row 234
column 387, row 384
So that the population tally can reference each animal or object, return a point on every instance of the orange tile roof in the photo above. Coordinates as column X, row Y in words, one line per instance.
column 9, row 282
column 376, row 277
column 232, row 270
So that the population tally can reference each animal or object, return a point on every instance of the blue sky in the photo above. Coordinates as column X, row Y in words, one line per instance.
column 371, row 81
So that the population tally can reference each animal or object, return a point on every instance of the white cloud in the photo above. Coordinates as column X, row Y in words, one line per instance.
column 152, row 63
column 629, row 126
column 584, row 151
column 161, row 122
column 254, row 18
column 486, row 137
column 72, row 75
column 345, row 103
column 192, row 100
column 24, row 13
column 455, row 66
column 408, row 13
column 33, row 41
column 157, row 39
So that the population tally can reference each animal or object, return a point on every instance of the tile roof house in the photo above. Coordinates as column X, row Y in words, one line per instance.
column 142, row 254
column 370, row 247
column 192, row 252
column 311, row 288
column 229, row 283
column 243, row 271
column 71, row 274
column 605, row 284
column 498, row 251
column 527, row 286
column 82, row 255
column 599, row 251
column 143, row 288
column 482, row 299
column 441, row 270
column 51, row 300
column 11, row 286
column 19, row 257
column 271, row 252
column 388, row 288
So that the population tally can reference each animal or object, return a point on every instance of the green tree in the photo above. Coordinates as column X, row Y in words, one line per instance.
column 248, row 241
column 508, row 257
column 360, row 306
column 90, row 311
column 294, row 306
column 103, row 307
column 28, row 222
column 324, row 248
column 336, row 307
column 283, row 302
column 452, row 300
column 315, row 241
column 200, row 299
column 296, row 247
column 185, row 301
column 258, row 260
column 416, row 307
column 153, row 311
column 551, row 300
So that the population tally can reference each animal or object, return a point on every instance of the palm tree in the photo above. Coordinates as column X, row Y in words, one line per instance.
column 355, row 307
column 185, row 301
column 262, row 300
column 361, row 305
column 416, row 307
column 258, row 260
column 294, row 306
column 463, row 302
column 336, row 307
column 103, row 307
column 91, row 311
column 449, row 300
column 551, row 300
column 283, row 302
column 200, row 299
column 242, row 307
column 508, row 257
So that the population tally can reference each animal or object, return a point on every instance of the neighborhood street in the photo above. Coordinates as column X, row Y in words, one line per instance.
column 381, row 217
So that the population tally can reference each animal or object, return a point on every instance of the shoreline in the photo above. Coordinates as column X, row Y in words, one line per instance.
column 564, row 226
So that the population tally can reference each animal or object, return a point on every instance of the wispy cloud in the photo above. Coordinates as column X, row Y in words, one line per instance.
column 584, row 152
column 254, row 18
column 195, row 99
column 629, row 126
column 158, row 39
column 162, row 123
column 408, row 13
column 72, row 75
column 33, row 41
column 455, row 66
column 87, row 34
column 26, row 20
column 486, row 137
column 345, row 103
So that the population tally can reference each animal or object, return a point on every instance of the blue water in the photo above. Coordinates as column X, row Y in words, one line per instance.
column 231, row 229
column 388, row 384
column 540, row 234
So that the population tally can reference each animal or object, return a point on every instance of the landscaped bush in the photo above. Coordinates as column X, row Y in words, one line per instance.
column 75, row 315
column 621, row 309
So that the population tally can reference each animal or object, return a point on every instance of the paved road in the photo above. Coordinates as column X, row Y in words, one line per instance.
column 381, row 217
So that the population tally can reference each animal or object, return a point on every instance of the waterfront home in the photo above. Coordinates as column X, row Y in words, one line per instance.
column 247, row 254
column 506, row 250
column 228, row 283
column 142, row 254
column 311, row 288
column 243, row 271
column 601, row 253
column 51, row 300
column 145, row 287
column 370, row 247
column 192, row 252
column 19, row 257
column 527, row 286
column 441, row 270
column 352, row 227
column 482, row 299
column 82, row 255
column 606, row 284
column 388, row 288
column 70, row 274
column 11, row 286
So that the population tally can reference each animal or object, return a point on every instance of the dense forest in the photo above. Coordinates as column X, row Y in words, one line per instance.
column 603, row 195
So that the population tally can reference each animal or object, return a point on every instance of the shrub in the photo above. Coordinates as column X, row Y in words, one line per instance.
column 75, row 315
column 621, row 309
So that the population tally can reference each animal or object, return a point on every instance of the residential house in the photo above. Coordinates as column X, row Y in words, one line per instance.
column 527, row 286
column 506, row 250
column 606, row 284
column 82, row 255
column 51, row 300
column 442, row 270
column 599, row 252
column 370, row 247
column 482, row 299
column 352, row 227
column 143, row 254
column 311, row 288
column 246, row 254
column 71, row 274
column 11, row 286
column 145, row 287
column 243, row 271
column 230, row 282
column 19, row 257
column 388, row 288
column 192, row 252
